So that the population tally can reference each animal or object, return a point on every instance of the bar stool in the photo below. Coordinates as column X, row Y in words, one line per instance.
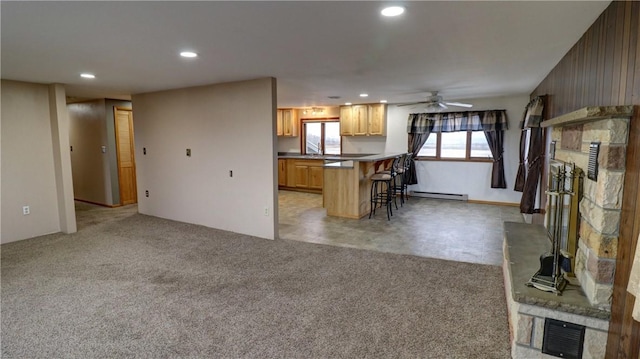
column 403, row 175
column 383, row 189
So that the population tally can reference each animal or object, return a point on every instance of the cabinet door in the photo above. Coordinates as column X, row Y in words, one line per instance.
column 291, row 172
column 279, row 124
column 377, row 119
column 282, row 172
column 302, row 176
column 316, row 177
column 289, row 123
column 346, row 121
column 360, row 115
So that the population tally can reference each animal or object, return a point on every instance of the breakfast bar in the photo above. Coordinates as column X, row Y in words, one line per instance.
column 347, row 184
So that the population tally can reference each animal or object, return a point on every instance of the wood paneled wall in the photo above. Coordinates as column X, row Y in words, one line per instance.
column 603, row 69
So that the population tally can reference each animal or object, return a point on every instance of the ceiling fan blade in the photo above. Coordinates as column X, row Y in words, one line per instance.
column 459, row 104
column 442, row 105
column 410, row 103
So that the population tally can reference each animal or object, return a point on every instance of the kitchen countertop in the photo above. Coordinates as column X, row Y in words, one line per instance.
column 339, row 164
column 343, row 157
column 342, row 161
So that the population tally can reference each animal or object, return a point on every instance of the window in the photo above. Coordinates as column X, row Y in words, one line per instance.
column 321, row 137
column 456, row 146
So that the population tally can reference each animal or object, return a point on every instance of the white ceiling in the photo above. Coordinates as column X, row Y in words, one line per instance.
column 316, row 49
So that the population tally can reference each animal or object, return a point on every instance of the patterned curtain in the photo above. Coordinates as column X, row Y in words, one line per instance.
column 495, row 139
column 419, row 128
column 494, row 122
column 529, row 172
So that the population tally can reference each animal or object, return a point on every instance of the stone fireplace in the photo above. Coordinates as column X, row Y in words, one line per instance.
column 586, row 301
column 599, row 210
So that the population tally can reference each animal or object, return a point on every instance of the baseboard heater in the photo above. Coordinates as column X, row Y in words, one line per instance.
column 453, row 196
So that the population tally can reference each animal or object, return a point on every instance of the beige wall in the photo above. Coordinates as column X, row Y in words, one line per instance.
column 228, row 127
column 28, row 168
column 87, row 135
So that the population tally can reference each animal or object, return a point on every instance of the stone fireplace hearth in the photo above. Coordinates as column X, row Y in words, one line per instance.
column 587, row 300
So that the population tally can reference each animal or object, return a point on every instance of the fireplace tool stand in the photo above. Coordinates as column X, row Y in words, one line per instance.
column 549, row 277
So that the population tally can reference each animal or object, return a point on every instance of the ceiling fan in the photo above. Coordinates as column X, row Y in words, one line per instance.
column 436, row 103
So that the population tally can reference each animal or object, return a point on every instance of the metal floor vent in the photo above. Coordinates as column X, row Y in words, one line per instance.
column 563, row 339
column 453, row 196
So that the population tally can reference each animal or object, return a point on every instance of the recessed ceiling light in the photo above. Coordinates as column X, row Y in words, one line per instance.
column 348, row 103
column 188, row 54
column 383, row 101
column 392, row 11
column 364, row 95
column 88, row 76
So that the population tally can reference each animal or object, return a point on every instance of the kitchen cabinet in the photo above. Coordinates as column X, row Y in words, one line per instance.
column 363, row 120
column 316, row 176
column 301, row 174
column 282, row 172
column 377, row 119
column 346, row 121
column 360, row 115
column 287, row 122
column 291, row 173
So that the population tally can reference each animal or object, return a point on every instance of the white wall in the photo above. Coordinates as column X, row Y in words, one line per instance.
column 228, row 127
column 472, row 178
column 28, row 167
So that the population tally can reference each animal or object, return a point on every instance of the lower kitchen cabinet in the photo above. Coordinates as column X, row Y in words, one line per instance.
column 301, row 174
column 282, row 172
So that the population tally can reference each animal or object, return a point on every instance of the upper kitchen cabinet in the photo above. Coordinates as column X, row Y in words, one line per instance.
column 363, row 120
column 287, row 122
column 346, row 121
column 377, row 124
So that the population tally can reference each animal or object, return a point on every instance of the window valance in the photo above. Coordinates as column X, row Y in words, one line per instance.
column 491, row 120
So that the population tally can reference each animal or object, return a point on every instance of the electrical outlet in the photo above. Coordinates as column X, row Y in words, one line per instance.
column 266, row 211
column 144, row 150
column 26, row 210
column 146, row 193
column 188, row 152
column 230, row 173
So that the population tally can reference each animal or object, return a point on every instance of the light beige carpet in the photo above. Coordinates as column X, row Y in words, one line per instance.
column 144, row 287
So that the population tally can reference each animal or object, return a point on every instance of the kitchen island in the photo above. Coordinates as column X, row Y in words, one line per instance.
column 347, row 184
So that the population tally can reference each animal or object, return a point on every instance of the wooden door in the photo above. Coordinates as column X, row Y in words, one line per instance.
column 346, row 121
column 290, row 167
column 316, row 177
column 377, row 118
column 360, row 118
column 289, row 123
column 282, row 172
column 279, row 124
column 125, row 152
column 302, row 176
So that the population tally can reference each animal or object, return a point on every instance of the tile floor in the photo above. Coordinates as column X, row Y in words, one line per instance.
column 446, row 229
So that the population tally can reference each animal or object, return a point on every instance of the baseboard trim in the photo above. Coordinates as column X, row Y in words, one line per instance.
column 295, row 189
column 509, row 204
column 98, row 204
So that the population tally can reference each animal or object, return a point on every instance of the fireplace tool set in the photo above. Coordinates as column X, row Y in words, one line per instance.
column 550, row 276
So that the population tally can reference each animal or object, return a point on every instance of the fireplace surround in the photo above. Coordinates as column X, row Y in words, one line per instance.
column 588, row 301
